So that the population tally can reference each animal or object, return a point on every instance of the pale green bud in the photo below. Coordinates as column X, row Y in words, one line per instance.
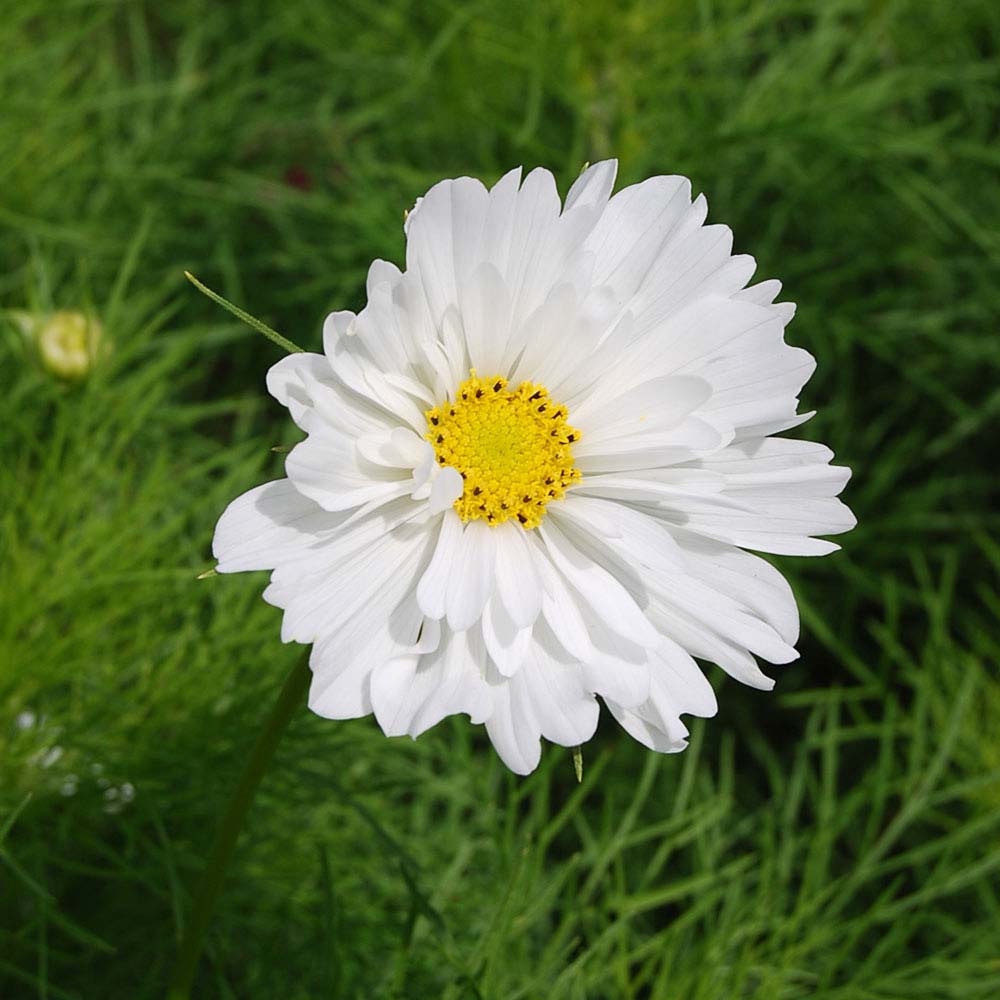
column 69, row 343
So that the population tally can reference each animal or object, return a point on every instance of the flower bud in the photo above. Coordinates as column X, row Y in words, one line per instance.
column 69, row 343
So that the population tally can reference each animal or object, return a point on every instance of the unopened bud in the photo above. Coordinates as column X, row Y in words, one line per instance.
column 69, row 344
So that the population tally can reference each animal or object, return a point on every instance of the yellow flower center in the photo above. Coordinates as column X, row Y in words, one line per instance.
column 513, row 449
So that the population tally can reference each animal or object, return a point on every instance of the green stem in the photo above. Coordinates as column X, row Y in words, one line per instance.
column 259, row 325
column 292, row 692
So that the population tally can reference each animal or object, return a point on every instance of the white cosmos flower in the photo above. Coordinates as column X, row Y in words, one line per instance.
column 533, row 462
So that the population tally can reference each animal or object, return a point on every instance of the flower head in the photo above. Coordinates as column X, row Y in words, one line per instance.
column 532, row 465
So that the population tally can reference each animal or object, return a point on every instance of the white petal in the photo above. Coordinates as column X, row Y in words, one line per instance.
column 443, row 236
column 547, row 697
column 321, row 593
column 677, row 687
column 744, row 577
column 618, row 670
column 536, row 214
column 327, row 468
column 411, row 694
column 776, row 467
column 783, row 527
column 680, row 677
column 500, row 216
column 607, row 598
column 632, row 230
column 593, row 186
column 432, row 591
column 763, row 294
column 289, row 381
column 694, row 265
column 517, row 580
column 411, row 448
column 651, row 405
column 506, row 643
column 562, row 611
column 355, row 367
column 772, row 427
column 399, row 448
column 671, row 738
column 308, row 386
column 566, row 712
column 512, row 727
column 267, row 526
column 691, row 597
column 472, row 576
column 485, row 305
column 446, row 487
column 341, row 663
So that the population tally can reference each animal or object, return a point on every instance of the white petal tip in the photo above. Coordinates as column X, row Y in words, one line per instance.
column 446, row 489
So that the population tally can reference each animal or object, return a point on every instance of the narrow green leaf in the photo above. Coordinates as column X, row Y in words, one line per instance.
column 242, row 314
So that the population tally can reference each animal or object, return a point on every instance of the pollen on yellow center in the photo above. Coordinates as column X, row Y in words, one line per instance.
column 513, row 449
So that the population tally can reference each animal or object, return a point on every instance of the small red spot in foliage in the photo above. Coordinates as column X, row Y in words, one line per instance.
column 298, row 177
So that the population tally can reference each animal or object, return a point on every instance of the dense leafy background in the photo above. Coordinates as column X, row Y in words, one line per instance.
column 835, row 839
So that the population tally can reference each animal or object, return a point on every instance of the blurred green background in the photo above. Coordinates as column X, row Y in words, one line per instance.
column 839, row 838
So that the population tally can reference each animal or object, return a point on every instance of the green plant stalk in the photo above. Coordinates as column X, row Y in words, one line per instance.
column 259, row 325
column 291, row 695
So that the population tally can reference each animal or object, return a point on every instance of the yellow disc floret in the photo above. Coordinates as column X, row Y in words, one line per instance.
column 513, row 449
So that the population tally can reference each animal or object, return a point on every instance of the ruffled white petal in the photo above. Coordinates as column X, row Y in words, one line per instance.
column 471, row 576
column 411, row 694
column 308, row 386
column 343, row 662
column 518, row 583
column 605, row 597
column 617, row 669
column 328, row 468
column 787, row 491
column 697, row 590
column 506, row 642
column 432, row 591
column 547, row 697
column 368, row 560
column 563, row 611
column 268, row 526
column 677, row 687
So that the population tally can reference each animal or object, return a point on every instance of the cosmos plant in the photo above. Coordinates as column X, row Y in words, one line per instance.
column 533, row 466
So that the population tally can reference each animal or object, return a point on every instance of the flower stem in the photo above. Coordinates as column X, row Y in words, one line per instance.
column 292, row 693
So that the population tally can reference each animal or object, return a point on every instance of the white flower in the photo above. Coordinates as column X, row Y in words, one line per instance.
column 532, row 464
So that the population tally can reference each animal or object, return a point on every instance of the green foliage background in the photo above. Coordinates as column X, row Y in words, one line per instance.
column 837, row 839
